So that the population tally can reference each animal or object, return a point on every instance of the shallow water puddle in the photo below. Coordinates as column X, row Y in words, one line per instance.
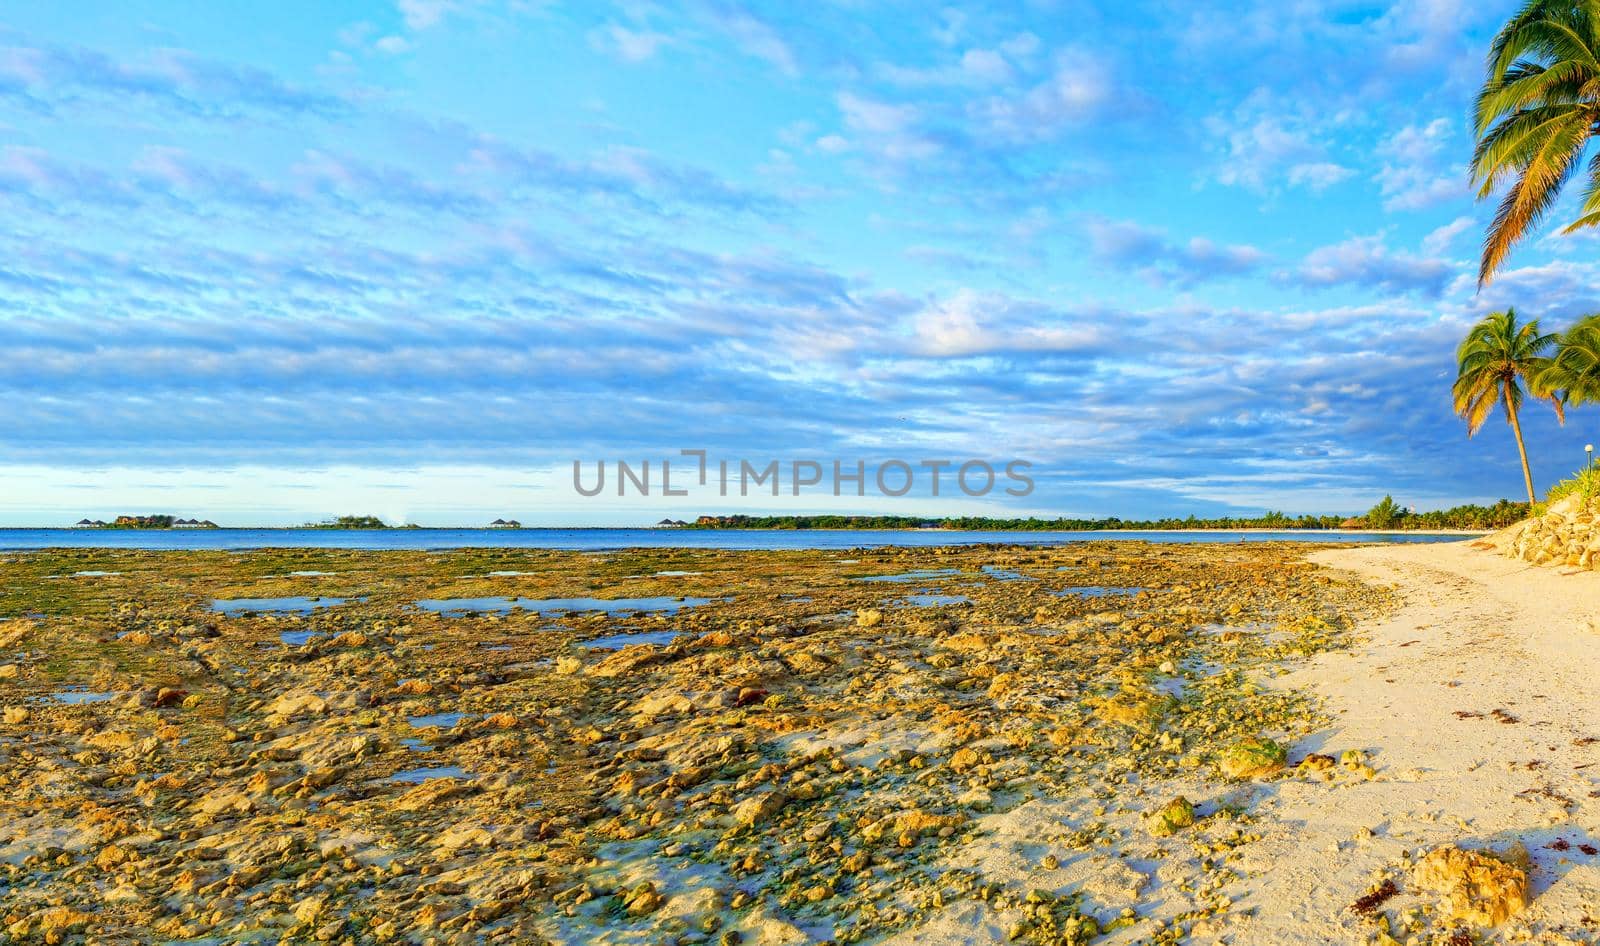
column 289, row 605
column 455, row 607
column 80, row 697
column 1095, row 591
column 619, row 641
column 418, row 776
column 436, row 720
column 999, row 573
column 298, row 638
column 1175, row 687
column 933, row 601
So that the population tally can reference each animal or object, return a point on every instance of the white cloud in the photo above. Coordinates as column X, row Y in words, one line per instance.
column 1079, row 88
column 890, row 130
column 1154, row 256
column 1265, row 143
column 1438, row 242
column 1318, row 176
column 628, row 44
column 758, row 39
column 1367, row 261
column 970, row 323
column 1415, row 175
column 832, row 144
column 425, row 14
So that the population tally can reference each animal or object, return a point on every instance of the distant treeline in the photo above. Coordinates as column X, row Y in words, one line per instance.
column 1385, row 515
column 149, row 522
column 353, row 522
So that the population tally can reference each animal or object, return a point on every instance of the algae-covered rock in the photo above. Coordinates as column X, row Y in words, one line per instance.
column 1252, row 758
column 1476, row 887
column 1133, row 707
column 1171, row 818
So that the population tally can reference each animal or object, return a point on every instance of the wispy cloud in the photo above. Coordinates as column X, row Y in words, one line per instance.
column 1152, row 254
column 1367, row 261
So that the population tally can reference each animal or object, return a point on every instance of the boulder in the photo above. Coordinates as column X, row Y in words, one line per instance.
column 1476, row 887
column 1252, row 759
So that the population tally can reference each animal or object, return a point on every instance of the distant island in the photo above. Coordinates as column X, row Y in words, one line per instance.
column 354, row 522
column 146, row 522
column 1385, row 516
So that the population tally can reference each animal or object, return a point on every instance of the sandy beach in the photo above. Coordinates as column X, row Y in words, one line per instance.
column 1477, row 698
column 1113, row 742
column 1476, row 701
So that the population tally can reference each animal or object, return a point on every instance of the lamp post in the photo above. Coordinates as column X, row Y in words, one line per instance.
column 1588, row 453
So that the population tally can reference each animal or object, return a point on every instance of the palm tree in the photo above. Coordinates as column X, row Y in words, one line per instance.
column 1573, row 375
column 1535, row 115
column 1495, row 359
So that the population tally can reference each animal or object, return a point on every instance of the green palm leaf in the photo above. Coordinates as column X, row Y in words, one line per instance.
column 1534, row 117
column 1495, row 361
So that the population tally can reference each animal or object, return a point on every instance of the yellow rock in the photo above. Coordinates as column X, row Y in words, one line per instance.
column 58, row 920
column 1004, row 683
column 964, row 760
column 112, row 856
column 965, row 643
column 1132, row 707
column 1476, row 887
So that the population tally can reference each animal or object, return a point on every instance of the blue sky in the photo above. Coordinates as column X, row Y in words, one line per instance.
column 272, row 263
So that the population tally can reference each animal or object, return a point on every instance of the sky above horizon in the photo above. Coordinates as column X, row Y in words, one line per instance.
column 273, row 263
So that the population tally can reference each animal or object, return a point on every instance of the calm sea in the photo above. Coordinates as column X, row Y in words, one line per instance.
column 600, row 539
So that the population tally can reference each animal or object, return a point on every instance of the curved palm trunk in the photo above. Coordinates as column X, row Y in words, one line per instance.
column 1516, row 429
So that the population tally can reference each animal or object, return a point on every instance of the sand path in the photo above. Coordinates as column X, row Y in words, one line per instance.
column 1479, row 701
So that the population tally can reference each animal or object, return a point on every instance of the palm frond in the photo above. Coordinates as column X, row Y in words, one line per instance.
column 1533, row 194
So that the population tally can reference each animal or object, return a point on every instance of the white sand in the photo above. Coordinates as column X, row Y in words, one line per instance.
column 1476, row 633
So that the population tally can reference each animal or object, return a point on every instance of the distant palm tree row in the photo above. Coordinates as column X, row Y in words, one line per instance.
column 1501, row 361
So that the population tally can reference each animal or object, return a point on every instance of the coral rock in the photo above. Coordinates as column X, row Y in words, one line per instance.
column 1476, row 887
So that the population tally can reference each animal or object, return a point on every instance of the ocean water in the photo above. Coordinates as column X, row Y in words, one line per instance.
column 603, row 539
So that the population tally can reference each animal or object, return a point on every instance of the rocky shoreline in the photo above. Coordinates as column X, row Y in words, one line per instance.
column 919, row 745
column 1568, row 534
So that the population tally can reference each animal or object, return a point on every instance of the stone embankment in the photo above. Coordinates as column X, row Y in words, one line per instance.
column 1567, row 534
